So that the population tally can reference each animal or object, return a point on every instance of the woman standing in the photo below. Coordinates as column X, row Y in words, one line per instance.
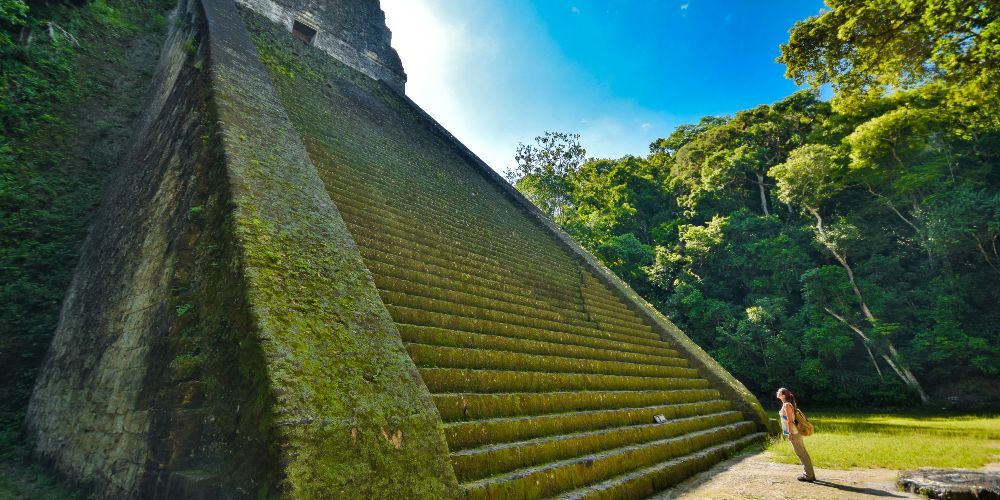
column 787, row 414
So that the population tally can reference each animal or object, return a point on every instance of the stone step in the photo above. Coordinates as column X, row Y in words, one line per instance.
column 472, row 220
column 526, row 263
column 556, row 477
column 446, row 380
column 603, row 312
column 623, row 315
column 374, row 216
column 441, row 209
column 433, row 260
column 610, row 310
column 596, row 338
column 597, row 292
column 472, row 406
column 485, row 314
column 426, row 356
column 430, row 215
column 453, row 338
column 601, row 318
column 600, row 294
column 447, row 258
column 385, row 274
column 475, row 433
column 656, row 478
column 450, row 293
column 379, row 261
column 493, row 459
column 465, row 304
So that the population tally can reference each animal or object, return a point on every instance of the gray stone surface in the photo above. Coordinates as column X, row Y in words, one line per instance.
column 353, row 31
column 87, row 415
column 952, row 484
column 221, row 337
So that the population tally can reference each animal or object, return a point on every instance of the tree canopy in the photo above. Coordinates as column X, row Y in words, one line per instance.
column 864, row 45
column 848, row 248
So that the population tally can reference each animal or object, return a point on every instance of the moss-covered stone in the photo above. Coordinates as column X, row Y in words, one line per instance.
column 452, row 338
column 649, row 480
column 478, row 358
column 236, row 346
column 471, row 434
column 471, row 406
column 465, row 380
column 490, row 299
column 138, row 382
column 415, row 314
column 555, row 477
column 489, row 460
column 296, row 222
column 351, row 416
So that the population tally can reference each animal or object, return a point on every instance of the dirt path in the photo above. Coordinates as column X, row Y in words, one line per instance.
column 756, row 476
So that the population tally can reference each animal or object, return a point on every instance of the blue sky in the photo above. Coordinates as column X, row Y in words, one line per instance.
column 620, row 73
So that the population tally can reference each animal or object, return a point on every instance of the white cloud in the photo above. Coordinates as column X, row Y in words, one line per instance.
column 684, row 6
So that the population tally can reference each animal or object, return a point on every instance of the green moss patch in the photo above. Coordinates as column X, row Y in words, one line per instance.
column 471, row 406
column 351, row 417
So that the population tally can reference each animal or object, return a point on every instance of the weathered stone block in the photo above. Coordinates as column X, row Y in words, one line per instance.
column 951, row 484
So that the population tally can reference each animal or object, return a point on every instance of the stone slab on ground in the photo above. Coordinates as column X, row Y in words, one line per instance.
column 952, row 484
column 757, row 476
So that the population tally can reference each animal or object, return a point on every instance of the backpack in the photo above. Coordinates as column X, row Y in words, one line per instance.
column 802, row 423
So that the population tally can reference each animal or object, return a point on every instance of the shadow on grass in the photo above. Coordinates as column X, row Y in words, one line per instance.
column 875, row 492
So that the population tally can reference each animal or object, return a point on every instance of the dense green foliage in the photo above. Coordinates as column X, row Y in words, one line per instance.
column 849, row 249
column 870, row 46
column 69, row 87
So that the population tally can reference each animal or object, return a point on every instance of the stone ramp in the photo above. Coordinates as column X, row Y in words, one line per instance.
column 546, row 378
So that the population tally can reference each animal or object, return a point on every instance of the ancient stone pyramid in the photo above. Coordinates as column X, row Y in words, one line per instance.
column 303, row 286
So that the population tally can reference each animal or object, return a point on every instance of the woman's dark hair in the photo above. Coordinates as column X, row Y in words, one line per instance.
column 789, row 397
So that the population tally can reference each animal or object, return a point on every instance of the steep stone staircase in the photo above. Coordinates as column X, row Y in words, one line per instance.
column 548, row 383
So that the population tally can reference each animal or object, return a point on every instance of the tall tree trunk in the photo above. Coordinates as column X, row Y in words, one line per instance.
column 842, row 260
column 763, row 193
column 908, row 374
column 922, row 234
column 893, row 358
column 865, row 341
column 982, row 251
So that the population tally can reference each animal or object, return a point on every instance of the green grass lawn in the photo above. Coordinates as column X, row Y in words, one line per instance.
column 897, row 441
